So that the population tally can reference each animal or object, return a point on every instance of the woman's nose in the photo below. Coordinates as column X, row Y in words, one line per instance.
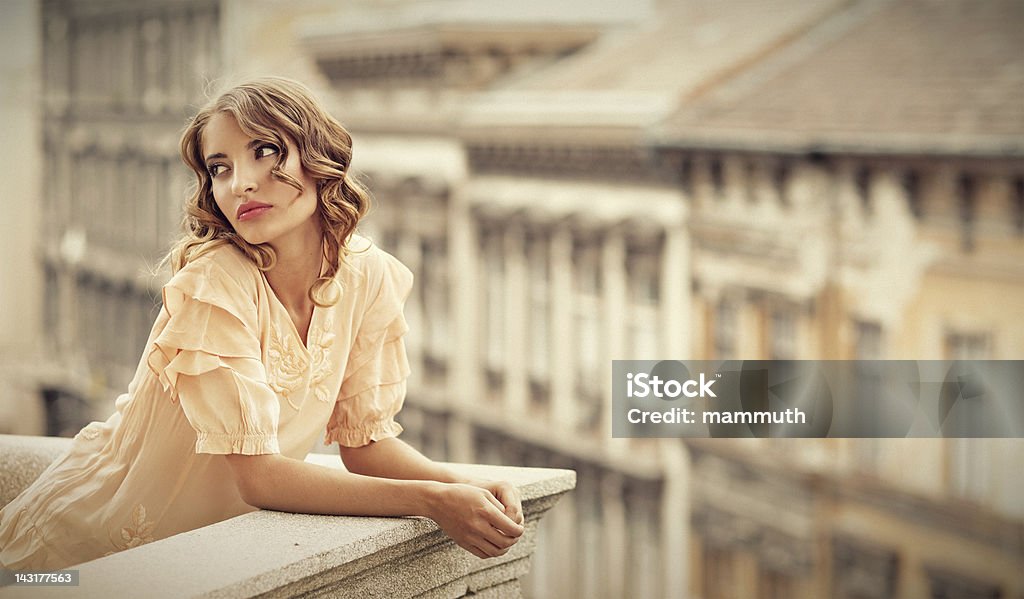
column 243, row 182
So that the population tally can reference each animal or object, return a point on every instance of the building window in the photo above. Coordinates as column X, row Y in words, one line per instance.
column 966, row 202
column 717, row 178
column 539, row 306
column 434, row 289
column 780, row 181
column 911, row 183
column 686, row 176
column 782, row 341
column 643, row 282
column 726, row 315
column 1018, row 205
column 867, row 349
column 968, row 346
column 718, row 576
column 51, row 308
column 750, row 181
column 494, row 321
column 968, row 468
column 862, row 569
column 587, row 309
column 868, row 345
column 774, row 585
column 949, row 585
column 862, row 183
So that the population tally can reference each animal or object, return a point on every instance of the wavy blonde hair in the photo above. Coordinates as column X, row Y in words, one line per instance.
column 273, row 108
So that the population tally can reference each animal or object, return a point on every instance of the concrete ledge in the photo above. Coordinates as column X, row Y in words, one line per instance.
column 276, row 554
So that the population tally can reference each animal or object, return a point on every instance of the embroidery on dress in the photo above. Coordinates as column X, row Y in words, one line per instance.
column 288, row 367
column 322, row 370
column 139, row 533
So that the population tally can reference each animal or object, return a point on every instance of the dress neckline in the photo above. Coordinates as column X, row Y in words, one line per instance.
column 291, row 323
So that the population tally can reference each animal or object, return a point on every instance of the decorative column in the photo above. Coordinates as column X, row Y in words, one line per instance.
column 749, row 344
column 674, row 517
column 466, row 365
column 616, row 534
column 614, row 294
column 676, row 293
column 589, row 532
column 562, row 370
column 517, row 286
column 410, row 250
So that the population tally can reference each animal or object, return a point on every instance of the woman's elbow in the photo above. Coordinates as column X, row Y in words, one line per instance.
column 251, row 474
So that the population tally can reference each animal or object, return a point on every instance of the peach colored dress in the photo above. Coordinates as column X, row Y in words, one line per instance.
column 224, row 372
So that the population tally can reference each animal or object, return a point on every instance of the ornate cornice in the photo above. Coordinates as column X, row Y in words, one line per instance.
column 454, row 55
column 565, row 161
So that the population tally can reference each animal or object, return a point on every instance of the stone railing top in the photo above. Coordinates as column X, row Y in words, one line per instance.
column 281, row 554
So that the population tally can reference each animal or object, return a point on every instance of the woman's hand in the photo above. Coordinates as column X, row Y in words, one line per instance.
column 475, row 519
column 509, row 496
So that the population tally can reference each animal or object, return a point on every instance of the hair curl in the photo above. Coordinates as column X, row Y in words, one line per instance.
column 273, row 108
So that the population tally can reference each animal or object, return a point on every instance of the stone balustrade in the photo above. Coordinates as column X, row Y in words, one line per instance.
column 276, row 554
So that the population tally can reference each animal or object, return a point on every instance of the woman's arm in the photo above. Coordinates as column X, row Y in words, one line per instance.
column 471, row 516
column 394, row 458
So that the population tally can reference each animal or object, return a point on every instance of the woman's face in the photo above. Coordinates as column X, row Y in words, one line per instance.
column 261, row 208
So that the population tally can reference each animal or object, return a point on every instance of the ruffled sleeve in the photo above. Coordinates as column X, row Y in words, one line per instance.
column 207, row 357
column 374, row 385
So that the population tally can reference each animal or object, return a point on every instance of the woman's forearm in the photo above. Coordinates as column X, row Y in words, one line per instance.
column 394, row 458
column 471, row 516
column 284, row 484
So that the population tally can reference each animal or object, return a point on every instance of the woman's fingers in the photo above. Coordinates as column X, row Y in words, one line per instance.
column 477, row 521
column 475, row 550
column 500, row 521
column 495, row 502
column 510, row 499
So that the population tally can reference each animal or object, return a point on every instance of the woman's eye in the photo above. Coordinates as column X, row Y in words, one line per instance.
column 216, row 169
column 266, row 150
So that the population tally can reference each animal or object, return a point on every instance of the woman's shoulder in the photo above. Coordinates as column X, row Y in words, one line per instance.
column 222, row 265
column 371, row 267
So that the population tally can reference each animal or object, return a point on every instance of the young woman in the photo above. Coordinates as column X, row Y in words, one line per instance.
column 279, row 324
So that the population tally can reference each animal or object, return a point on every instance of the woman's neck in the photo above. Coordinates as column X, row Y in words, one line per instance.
column 299, row 264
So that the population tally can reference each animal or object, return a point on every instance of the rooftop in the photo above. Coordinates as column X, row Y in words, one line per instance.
column 924, row 76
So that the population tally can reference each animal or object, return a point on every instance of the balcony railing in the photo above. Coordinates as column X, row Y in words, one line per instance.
column 276, row 554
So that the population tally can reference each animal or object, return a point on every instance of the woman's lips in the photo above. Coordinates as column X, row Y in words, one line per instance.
column 251, row 210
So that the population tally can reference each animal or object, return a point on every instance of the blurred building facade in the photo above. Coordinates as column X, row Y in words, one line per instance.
column 826, row 180
column 582, row 209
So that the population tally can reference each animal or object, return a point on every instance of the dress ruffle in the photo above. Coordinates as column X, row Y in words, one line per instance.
column 204, row 324
column 374, row 386
column 210, row 332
